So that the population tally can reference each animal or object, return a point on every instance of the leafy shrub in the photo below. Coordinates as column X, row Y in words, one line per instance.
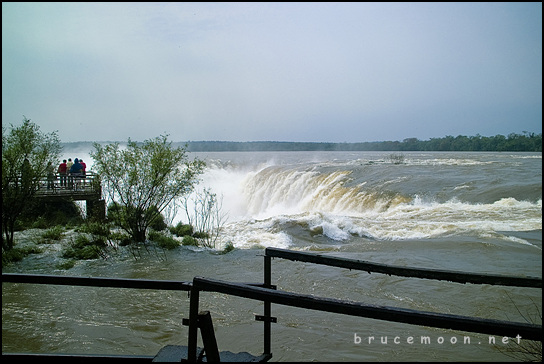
column 17, row 254
column 113, row 211
column 84, row 248
column 165, row 242
column 157, row 223
column 54, row 233
column 43, row 215
column 96, row 228
column 66, row 265
column 189, row 240
column 123, row 238
column 182, row 229
column 201, row 235
column 228, row 247
column 40, row 223
column 153, row 235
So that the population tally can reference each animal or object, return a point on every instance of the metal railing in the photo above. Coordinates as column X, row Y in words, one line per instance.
column 69, row 184
column 435, row 274
column 97, row 282
column 267, row 293
column 91, row 282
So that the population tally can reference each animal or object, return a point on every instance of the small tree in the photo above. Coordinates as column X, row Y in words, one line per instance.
column 396, row 158
column 206, row 217
column 26, row 151
column 143, row 179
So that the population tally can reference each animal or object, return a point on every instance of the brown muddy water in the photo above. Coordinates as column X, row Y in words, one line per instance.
column 471, row 212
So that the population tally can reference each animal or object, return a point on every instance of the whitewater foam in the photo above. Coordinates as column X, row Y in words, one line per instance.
column 263, row 201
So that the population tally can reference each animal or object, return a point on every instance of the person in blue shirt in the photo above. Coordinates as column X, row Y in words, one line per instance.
column 76, row 171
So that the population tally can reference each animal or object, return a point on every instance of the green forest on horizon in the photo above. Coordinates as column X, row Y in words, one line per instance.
column 527, row 142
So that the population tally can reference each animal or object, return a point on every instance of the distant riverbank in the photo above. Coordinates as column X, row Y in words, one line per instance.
column 527, row 142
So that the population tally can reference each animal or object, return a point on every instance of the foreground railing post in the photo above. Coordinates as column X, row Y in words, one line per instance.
column 193, row 325
column 208, row 337
column 267, row 304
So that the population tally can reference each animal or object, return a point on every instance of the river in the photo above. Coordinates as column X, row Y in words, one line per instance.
column 470, row 212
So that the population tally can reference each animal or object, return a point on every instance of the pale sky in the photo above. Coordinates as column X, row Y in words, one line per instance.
column 317, row 72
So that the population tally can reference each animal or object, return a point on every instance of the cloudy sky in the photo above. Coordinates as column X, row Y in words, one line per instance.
column 322, row 72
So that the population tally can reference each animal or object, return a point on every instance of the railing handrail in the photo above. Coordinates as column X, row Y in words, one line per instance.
column 97, row 281
column 436, row 274
column 386, row 313
column 270, row 295
column 89, row 174
column 422, row 318
column 69, row 184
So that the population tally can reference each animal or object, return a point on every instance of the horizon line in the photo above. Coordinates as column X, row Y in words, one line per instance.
column 308, row 142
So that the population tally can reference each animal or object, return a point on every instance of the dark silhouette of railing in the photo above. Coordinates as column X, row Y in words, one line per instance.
column 267, row 293
column 431, row 319
column 79, row 186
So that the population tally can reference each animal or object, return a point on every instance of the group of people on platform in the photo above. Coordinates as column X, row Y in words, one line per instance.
column 68, row 171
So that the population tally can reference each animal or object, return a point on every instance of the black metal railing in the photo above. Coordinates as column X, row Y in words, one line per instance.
column 69, row 184
column 97, row 282
column 267, row 293
column 91, row 282
column 435, row 274
column 431, row 319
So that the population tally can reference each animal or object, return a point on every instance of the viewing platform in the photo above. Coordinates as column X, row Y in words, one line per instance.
column 85, row 187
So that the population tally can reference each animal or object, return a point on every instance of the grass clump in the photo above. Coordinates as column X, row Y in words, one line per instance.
column 122, row 238
column 189, row 240
column 95, row 228
column 182, row 229
column 228, row 247
column 84, row 248
column 55, row 233
column 66, row 264
column 17, row 254
column 186, row 231
column 165, row 242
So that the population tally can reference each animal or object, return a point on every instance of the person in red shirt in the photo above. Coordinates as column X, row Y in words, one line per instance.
column 62, row 171
column 84, row 167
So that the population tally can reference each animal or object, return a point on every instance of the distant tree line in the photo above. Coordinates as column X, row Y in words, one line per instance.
column 527, row 142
